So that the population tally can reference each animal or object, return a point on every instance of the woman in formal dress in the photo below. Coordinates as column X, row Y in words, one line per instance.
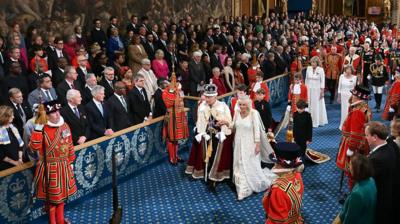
column 228, row 74
column 10, row 141
column 315, row 82
column 347, row 82
column 359, row 206
column 249, row 147
column 160, row 65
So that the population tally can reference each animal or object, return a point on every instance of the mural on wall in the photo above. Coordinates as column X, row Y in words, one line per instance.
column 60, row 16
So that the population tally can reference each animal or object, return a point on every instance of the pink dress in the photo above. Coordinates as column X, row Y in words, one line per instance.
column 160, row 68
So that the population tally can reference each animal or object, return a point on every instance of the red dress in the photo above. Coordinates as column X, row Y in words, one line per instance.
column 353, row 135
column 393, row 100
column 60, row 154
column 283, row 202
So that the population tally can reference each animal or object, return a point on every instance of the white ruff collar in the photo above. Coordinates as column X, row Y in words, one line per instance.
column 58, row 124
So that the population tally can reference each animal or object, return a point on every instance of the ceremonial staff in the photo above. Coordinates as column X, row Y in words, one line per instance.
column 117, row 211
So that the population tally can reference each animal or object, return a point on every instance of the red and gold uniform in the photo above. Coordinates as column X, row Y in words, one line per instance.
column 354, row 60
column 175, row 125
column 60, row 155
column 392, row 101
column 295, row 68
column 255, row 86
column 283, row 202
column 295, row 96
column 353, row 135
column 333, row 67
column 305, row 52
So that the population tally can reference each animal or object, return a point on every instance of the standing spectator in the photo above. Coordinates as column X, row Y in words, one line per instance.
column 70, row 82
column 183, row 76
column 159, row 105
column 22, row 111
column 360, row 205
column 108, row 82
column 10, row 142
column 58, row 73
column 118, row 108
column 113, row 24
column 82, row 69
column 38, row 59
column 58, row 52
column 150, row 80
column 228, row 74
column 91, row 82
column 15, row 79
column 17, row 41
column 383, row 158
column 14, row 56
column 281, row 66
column 214, row 58
column 114, row 44
column 44, row 93
column 139, row 104
column 218, row 81
column 347, row 82
column 136, row 53
column 128, row 80
column 119, row 66
column 99, row 64
column 70, row 47
column 170, row 55
column 80, row 37
column 160, row 65
column 133, row 25
column 97, row 35
column 98, row 115
column 269, row 66
column 315, row 82
column 75, row 116
column 197, row 74
column 150, row 47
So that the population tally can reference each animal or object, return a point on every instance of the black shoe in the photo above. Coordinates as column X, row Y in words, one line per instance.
column 211, row 186
column 173, row 163
column 180, row 160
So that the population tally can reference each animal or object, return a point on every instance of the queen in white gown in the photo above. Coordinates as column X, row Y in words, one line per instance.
column 315, row 82
column 347, row 82
column 250, row 147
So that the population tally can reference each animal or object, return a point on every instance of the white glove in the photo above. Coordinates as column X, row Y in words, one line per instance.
column 349, row 152
column 200, row 135
column 221, row 136
column 306, row 109
column 369, row 77
column 288, row 108
column 391, row 109
column 39, row 127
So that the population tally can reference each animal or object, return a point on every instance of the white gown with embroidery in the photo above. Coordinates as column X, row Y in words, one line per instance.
column 248, row 175
column 344, row 87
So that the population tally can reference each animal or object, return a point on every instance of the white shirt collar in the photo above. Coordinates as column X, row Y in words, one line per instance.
column 377, row 147
column 72, row 107
column 96, row 102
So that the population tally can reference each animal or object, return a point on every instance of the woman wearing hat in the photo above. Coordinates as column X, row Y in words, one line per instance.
column 56, row 155
column 282, row 202
column 315, row 82
column 353, row 130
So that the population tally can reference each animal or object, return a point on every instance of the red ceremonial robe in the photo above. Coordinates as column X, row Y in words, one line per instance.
column 393, row 100
column 293, row 98
column 264, row 86
column 176, row 126
column 60, row 154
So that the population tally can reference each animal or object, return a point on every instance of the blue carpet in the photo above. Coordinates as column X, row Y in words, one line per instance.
column 164, row 194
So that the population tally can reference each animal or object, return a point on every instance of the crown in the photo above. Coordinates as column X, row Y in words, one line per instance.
column 142, row 137
column 17, row 186
column 210, row 90
column 89, row 158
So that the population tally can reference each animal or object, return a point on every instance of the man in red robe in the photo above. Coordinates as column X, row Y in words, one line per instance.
column 175, row 123
column 353, row 59
column 333, row 67
column 282, row 201
column 392, row 106
column 353, row 135
column 54, row 177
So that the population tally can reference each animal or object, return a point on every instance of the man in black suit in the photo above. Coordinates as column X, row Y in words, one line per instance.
column 91, row 81
column 208, row 37
column 113, row 24
column 214, row 58
column 68, row 83
column 138, row 102
column 133, row 25
column 82, row 69
column 162, row 42
column 58, row 74
column 97, row 115
column 22, row 111
column 197, row 74
column 159, row 106
column 108, row 81
column 280, row 62
column 97, row 35
column 170, row 55
column 57, row 53
column 118, row 107
column 74, row 115
column 150, row 47
column 15, row 79
column 15, row 56
column 383, row 158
